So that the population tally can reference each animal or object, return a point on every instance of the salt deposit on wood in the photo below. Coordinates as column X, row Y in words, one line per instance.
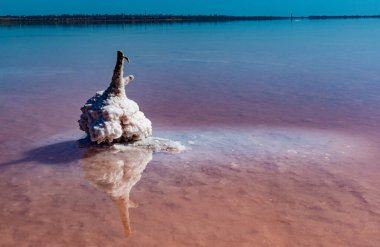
column 110, row 116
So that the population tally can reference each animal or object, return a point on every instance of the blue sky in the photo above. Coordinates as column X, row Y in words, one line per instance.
column 230, row 7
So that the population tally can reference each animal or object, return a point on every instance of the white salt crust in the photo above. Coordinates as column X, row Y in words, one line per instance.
column 110, row 116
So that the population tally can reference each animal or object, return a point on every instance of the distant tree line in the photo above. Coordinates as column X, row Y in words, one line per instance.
column 142, row 18
column 312, row 17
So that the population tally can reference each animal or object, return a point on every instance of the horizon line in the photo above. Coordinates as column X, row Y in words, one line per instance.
column 161, row 14
column 157, row 18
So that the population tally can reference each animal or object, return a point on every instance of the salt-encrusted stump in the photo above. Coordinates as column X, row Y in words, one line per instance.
column 110, row 116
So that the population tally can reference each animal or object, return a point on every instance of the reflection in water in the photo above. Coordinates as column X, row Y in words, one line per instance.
column 116, row 172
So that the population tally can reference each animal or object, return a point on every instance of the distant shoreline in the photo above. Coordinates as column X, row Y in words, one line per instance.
column 123, row 18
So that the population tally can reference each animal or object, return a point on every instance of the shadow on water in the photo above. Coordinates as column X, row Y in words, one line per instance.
column 116, row 172
column 110, row 170
column 53, row 154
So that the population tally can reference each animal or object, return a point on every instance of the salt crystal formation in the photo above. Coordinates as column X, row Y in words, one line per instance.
column 111, row 116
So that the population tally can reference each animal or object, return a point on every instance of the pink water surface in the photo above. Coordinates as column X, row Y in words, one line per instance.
column 280, row 121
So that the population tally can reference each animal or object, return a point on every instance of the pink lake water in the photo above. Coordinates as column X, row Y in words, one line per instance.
column 280, row 120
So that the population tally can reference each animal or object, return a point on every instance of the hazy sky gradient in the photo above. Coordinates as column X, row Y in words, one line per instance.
column 230, row 7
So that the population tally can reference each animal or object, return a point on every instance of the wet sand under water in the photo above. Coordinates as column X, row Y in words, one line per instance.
column 232, row 187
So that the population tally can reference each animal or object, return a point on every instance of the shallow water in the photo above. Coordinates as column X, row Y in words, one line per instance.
column 281, row 122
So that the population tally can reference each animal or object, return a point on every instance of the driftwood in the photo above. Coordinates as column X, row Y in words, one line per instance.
column 110, row 116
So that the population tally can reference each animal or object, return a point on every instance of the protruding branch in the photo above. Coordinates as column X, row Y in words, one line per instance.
column 118, row 81
column 128, row 79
